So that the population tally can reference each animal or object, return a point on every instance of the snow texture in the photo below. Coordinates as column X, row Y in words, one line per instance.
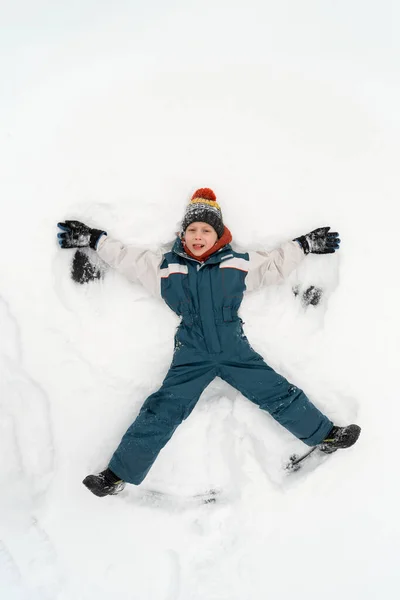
column 114, row 113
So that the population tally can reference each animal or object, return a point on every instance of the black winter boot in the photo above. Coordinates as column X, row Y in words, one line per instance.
column 340, row 437
column 105, row 483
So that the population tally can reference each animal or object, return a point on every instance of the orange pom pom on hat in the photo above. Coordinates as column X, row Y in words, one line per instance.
column 204, row 207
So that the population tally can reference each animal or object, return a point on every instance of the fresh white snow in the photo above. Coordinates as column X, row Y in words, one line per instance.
column 113, row 113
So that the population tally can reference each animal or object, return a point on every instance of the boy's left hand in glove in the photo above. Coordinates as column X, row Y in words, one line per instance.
column 319, row 241
column 78, row 235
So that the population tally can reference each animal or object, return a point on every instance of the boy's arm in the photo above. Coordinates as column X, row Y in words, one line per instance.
column 138, row 265
column 268, row 268
column 272, row 267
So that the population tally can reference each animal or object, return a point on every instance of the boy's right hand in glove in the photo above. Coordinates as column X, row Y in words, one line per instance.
column 78, row 235
column 319, row 241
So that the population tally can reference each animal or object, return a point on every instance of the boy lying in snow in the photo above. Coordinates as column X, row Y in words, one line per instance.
column 203, row 280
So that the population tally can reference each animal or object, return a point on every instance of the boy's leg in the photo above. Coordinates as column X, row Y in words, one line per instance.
column 159, row 417
column 273, row 393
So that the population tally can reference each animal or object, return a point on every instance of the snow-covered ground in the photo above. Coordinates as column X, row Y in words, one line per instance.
column 114, row 113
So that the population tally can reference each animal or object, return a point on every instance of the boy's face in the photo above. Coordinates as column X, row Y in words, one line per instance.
column 200, row 237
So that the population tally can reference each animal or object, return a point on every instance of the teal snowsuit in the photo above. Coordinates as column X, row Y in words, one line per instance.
column 209, row 342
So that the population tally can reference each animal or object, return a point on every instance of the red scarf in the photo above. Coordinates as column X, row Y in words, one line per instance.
column 225, row 239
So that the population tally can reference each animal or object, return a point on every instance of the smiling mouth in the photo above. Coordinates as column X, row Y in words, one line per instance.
column 198, row 246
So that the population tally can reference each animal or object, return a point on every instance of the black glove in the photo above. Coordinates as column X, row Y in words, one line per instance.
column 78, row 235
column 319, row 241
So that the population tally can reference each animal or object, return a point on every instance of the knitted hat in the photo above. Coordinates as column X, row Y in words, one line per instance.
column 203, row 207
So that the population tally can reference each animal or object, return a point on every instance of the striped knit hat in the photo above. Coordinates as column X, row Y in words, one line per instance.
column 203, row 207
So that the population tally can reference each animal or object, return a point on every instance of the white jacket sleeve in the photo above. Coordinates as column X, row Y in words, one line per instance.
column 266, row 268
column 138, row 265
